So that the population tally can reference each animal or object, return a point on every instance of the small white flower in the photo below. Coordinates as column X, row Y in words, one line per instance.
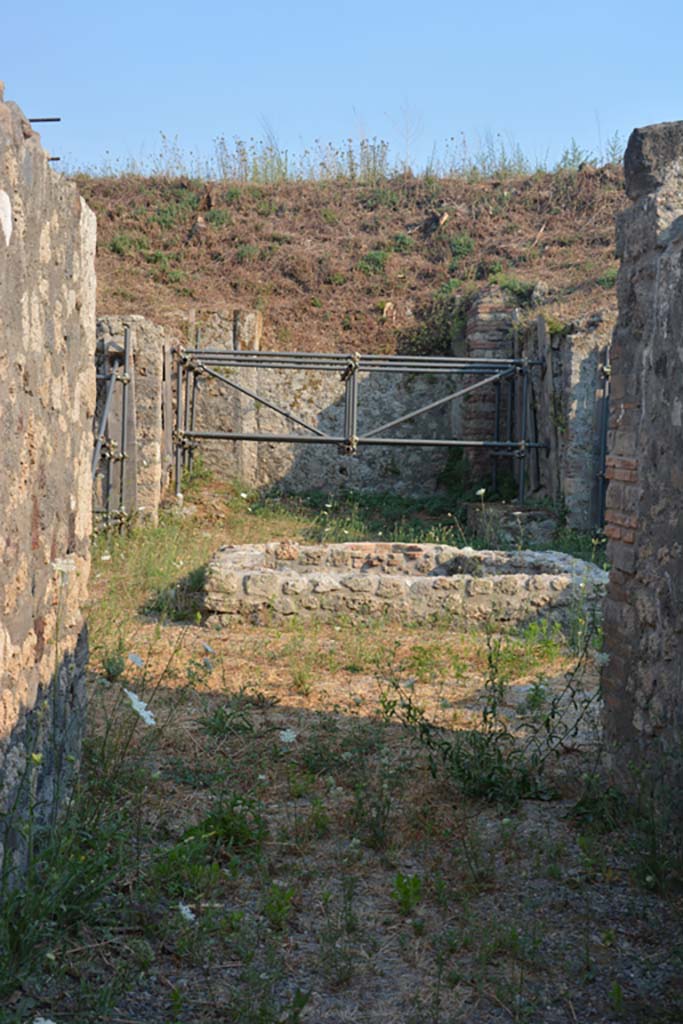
column 262, row 778
column 243, row 494
column 140, row 708
column 328, row 504
column 345, row 531
column 379, row 533
column 64, row 566
column 106, row 557
column 287, row 736
column 187, row 912
column 136, row 659
column 481, row 492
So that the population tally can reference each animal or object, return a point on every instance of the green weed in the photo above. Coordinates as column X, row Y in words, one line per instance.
column 407, row 892
column 374, row 262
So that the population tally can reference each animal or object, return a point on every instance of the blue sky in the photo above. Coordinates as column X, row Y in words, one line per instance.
column 412, row 74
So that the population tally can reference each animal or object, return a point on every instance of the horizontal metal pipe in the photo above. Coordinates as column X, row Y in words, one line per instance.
column 318, row 367
column 241, row 360
column 346, row 357
column 210, row 435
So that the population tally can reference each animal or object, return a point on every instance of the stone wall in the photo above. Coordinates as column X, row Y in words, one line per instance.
column 568, row 397
column 643, row 681
column 564, row 409
column 318, row 398
column 47, row 389
column 411, row 582
column 564, row 412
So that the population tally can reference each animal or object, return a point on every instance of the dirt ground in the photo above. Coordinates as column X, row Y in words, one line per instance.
column 350, row 822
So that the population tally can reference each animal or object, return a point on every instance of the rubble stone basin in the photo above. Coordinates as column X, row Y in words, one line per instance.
column 413, row 582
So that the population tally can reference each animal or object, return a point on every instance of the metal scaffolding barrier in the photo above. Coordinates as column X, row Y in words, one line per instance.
column 193, row 363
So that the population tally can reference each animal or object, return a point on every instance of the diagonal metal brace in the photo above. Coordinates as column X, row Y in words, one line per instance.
column 264, row 401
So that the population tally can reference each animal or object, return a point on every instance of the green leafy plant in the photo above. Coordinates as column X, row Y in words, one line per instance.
column 277, row 904
column 407, row 892
column 374, row 262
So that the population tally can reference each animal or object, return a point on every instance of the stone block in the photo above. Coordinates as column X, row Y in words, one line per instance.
column 649, row 156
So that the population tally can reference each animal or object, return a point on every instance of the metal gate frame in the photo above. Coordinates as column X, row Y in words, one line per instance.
column 192, row 363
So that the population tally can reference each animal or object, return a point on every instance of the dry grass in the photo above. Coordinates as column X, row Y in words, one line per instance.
column 303, row 252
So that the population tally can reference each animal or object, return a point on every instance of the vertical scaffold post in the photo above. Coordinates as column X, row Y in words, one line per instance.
column 350, row 378
column 193, row 406
column 124, row 419
column 494, row 453
column 606, row 374
column 186, row 412
column 180, row 405
column 523, row 432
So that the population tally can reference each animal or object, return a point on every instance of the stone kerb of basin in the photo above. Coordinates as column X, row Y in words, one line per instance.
column 412, row 582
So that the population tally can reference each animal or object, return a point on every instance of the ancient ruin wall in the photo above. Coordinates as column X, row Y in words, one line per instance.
column 569, row 399
column 47, row 387
column 643, row 681
column 317, row 398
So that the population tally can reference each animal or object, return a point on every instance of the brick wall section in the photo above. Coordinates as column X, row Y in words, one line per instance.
column 488, row 335
column 643, row 681
column 47, row 389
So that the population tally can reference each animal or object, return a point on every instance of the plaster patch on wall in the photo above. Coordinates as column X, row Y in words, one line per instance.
column 677, row 412
column 5, row 216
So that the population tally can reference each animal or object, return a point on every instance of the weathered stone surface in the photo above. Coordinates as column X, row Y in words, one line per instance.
column 400, row 581
column 649, row 157
column 642, row 682
column 568, row 396
column 47, row 392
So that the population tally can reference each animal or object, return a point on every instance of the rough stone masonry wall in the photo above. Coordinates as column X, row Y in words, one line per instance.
column 564, row 403
column 317, row 398
column 413, row 582
column 643, row 681
column 47, row 389
column 568, row 394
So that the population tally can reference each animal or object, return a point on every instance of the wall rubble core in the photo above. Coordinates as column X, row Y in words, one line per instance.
column 411, row 582
column 47, row 390
column 643, row 680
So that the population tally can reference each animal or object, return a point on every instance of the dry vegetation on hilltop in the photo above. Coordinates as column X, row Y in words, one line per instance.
column 340, row 265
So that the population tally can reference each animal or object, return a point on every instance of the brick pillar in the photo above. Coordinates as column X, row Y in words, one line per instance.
column 488, row 335
column 643, row 680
